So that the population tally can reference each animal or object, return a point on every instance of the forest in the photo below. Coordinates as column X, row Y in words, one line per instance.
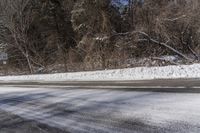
column 47, row 36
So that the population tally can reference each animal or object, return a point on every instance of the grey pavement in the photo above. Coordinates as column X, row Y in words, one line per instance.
column 170, row 106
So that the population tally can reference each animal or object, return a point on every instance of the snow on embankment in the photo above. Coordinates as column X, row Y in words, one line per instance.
column 140, row 73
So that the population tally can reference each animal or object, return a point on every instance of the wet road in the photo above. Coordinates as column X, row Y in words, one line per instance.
column 100, row 107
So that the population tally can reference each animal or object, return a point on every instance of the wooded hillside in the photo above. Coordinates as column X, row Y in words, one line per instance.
column 75, row 35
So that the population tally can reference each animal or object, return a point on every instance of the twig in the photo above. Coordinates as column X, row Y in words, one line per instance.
column 164, row 44
column 174, row 19
column 148, row 38
column 157, row 58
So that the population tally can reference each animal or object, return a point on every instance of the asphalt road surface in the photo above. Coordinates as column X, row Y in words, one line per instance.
column 160, row 106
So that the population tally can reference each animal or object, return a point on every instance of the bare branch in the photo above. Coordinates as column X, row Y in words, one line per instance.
column 175, row 19
column 165, row 44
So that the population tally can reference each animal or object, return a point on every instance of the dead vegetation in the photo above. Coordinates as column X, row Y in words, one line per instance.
column 90, row 35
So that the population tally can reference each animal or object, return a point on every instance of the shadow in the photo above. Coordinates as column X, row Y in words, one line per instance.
column 14, row 124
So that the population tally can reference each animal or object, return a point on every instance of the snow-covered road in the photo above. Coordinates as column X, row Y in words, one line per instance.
column 77, row 110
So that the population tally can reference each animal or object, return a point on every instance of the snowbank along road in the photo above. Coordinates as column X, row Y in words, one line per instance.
column 92, row 109
column 140, row 73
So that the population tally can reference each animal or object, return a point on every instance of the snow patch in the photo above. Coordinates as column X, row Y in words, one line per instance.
column 140, row 73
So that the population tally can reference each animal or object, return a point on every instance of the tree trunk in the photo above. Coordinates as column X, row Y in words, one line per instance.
column 29, row 64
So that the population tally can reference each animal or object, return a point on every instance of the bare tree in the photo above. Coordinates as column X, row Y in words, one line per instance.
column 175, row 22
column 16, row 19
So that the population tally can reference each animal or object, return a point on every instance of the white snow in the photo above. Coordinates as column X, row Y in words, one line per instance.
column 140, row 73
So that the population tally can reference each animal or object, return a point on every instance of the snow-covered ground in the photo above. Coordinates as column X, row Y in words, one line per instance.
column 140, row 73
